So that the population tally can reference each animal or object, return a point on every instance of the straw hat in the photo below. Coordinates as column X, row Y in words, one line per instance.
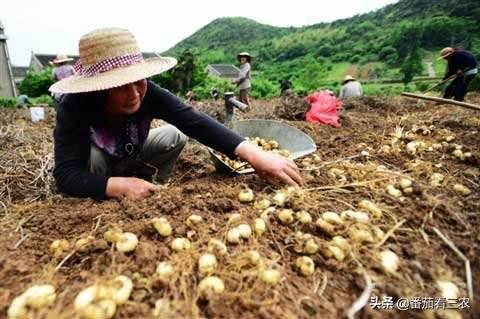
column 347, row 78
column 60, row 58
column 445, row 52
column 245, row 54
column 109, row 58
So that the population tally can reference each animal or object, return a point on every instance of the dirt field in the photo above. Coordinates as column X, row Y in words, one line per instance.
column 32, row 215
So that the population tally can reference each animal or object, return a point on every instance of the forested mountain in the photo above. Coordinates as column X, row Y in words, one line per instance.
column 382, row 39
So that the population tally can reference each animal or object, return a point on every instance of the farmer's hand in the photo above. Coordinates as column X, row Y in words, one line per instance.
column 459, row 72
column 271, row 166
column 129, row 187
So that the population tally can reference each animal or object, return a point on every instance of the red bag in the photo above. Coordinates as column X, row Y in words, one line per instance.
column 323, row 108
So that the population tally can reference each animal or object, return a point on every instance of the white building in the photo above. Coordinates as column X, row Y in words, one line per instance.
column 7, row 82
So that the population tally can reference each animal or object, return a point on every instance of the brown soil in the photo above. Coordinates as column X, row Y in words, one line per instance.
column 32, row 215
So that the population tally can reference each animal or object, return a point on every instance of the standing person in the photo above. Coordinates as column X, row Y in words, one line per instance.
column 61, row 70
column 103, row 142
column 350, row 88
column 243, row 81
column 461, row 64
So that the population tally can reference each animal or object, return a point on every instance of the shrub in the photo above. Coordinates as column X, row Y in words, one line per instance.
column 42, row 99
column 36, row 83
column 7, row 102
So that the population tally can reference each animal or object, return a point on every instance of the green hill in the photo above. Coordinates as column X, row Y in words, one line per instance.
column 371, row 46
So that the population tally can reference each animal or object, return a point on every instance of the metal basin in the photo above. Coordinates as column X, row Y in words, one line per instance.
column 290, row 138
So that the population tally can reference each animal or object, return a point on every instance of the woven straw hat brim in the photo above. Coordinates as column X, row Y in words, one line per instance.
column 61, row 61
column 444, row 56
column 114, row 78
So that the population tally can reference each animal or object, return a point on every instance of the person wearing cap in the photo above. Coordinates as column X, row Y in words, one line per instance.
column 61, row 70
column 104, row 147
column 350, row 88
column 243, row 79
column 461, row 65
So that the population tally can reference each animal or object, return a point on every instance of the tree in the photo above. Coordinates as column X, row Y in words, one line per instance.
column 413, row 64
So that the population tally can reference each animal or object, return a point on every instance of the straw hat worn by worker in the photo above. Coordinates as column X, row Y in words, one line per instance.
column 103, row 143
column 243, row 80
column 350, row 87
column 462, row 66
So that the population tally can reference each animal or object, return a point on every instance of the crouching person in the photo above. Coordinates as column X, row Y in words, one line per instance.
column 104, row 147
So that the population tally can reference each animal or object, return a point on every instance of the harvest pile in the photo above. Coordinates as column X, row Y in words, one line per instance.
column 385, row 198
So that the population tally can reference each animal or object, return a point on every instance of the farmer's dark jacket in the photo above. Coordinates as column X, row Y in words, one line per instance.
column 76, row 113
column 460, row 60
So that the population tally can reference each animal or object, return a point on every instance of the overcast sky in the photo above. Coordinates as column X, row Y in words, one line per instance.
column 55, row 26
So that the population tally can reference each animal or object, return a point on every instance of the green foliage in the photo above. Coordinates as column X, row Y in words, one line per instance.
column 186, row 75
column 42, row 99
column 263, row 88
column 37, row 83
column 7, row 102
column 413, row 64
column 221, row 84
column 386, row 37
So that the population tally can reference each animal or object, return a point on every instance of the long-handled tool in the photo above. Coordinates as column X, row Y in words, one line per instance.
column 452, row 77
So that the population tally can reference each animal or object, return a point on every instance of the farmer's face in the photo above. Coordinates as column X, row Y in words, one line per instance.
column 127, row 98
column 243, row 60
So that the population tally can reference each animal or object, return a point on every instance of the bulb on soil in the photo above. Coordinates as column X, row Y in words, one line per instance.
column 233, row 236
column 125, row 287
column 217, row 247
column 436, row 179
column 391, row 190
column 325, row 226
column 207, row 263
column 389, row 261
column 286, row 216
column 112, row 235
column 405, row 183
column 83, row 243
column 335, row 252
column 461, row 189
column 165, row 270
column 371, row 207
column 254, row 257
column 458, row 154
column 361, row 236
column 245, row 231
column 246, row 195
column 279, row 199
column 59, row 247
column 127, row 242
column 17, row 309
column 332, row 218
column 262, row 204
column 180, row 244
column 259, row 226
column 270, row 276
column 211, row 285
column 162, row 226
column 194, row 220
column 235, row 217
column 304, row 217
column 266, row 214
column 305, row 265
column 448, row 289
column 359, row 217
column 340, row 242
column 310, row 247
column 36, row 297
column 103, row 309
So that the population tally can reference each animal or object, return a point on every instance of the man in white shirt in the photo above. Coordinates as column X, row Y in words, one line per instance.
column 350, row 88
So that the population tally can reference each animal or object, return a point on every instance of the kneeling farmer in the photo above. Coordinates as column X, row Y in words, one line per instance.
column 103, row 136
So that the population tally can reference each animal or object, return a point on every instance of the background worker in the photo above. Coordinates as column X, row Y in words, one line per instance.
column 243, row 81
column 461, row 64
column 350, row 88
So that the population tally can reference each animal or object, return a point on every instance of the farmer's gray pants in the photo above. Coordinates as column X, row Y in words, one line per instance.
column 157, row 156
